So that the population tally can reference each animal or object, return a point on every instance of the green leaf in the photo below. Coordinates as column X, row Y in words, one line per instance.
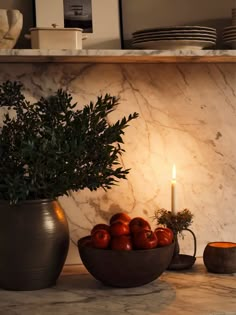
column 49, row 147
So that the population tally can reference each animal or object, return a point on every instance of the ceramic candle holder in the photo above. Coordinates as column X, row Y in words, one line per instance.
column 220, row 257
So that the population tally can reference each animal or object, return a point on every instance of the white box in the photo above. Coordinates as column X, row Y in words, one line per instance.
column 56, row 38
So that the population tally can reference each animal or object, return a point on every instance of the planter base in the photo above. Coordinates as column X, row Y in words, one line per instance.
column 34, row 242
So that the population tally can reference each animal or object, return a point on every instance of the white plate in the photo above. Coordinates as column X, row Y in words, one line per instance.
column 174, row 44
column 229, row 28
column 202, row 32
column 229, row 33
column 174, row 33
column 229, row 40
column 168, row 28
column 178, row 38
column 229, row 37
column 231, row 43
column 173, row 36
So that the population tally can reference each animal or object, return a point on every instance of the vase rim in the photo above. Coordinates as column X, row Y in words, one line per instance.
column 2, row 201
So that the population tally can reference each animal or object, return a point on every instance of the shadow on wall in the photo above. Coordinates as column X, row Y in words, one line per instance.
column 26, row 8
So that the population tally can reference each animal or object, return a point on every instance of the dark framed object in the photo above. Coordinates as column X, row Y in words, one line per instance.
column 78, row 14
column 101, row 20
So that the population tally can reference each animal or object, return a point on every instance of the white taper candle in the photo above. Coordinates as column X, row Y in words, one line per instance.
column 173, row 188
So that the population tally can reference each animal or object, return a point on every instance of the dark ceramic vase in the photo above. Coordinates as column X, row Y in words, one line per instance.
column 176, row 248
column 34, row 242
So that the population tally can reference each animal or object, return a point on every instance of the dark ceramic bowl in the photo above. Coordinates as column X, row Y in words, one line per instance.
column 125, row 269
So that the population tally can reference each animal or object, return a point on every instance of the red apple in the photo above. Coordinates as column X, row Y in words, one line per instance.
column 137, row 224
column 122, row 242
column 164, row 235
column 100, row 226
column 120, row 216
column 145, row 239
column 100, row 239
column 119, row 228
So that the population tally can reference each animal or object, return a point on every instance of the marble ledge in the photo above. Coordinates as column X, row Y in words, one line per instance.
column 194, row 292
column 116, row 56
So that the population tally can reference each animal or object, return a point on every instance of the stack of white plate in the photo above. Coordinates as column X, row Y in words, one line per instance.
column 229, row 36
column 175, row 37
column 229, row 33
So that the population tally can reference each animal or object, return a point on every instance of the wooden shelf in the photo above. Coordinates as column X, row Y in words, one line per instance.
column 116, row 56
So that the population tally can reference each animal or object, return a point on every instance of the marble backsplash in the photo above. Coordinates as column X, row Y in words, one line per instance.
column 187, row 117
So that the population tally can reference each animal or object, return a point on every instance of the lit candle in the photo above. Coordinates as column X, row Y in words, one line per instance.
column 173, row 184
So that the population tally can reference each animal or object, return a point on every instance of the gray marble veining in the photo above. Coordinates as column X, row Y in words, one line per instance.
column 192, row 292
column 115, row 52
column 187, row 117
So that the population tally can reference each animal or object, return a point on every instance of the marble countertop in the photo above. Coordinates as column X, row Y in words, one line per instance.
column 115, row 56
column 176, row 292
column 115, row 52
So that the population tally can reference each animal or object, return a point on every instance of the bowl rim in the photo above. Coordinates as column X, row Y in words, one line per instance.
column 220, row 242
column 87, row 237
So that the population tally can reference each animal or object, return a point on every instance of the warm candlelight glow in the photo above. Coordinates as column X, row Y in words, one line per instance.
column 173, row 184
column 174, row 173
column 222, row 244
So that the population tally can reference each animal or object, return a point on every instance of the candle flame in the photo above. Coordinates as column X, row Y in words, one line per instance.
column 174, row 172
